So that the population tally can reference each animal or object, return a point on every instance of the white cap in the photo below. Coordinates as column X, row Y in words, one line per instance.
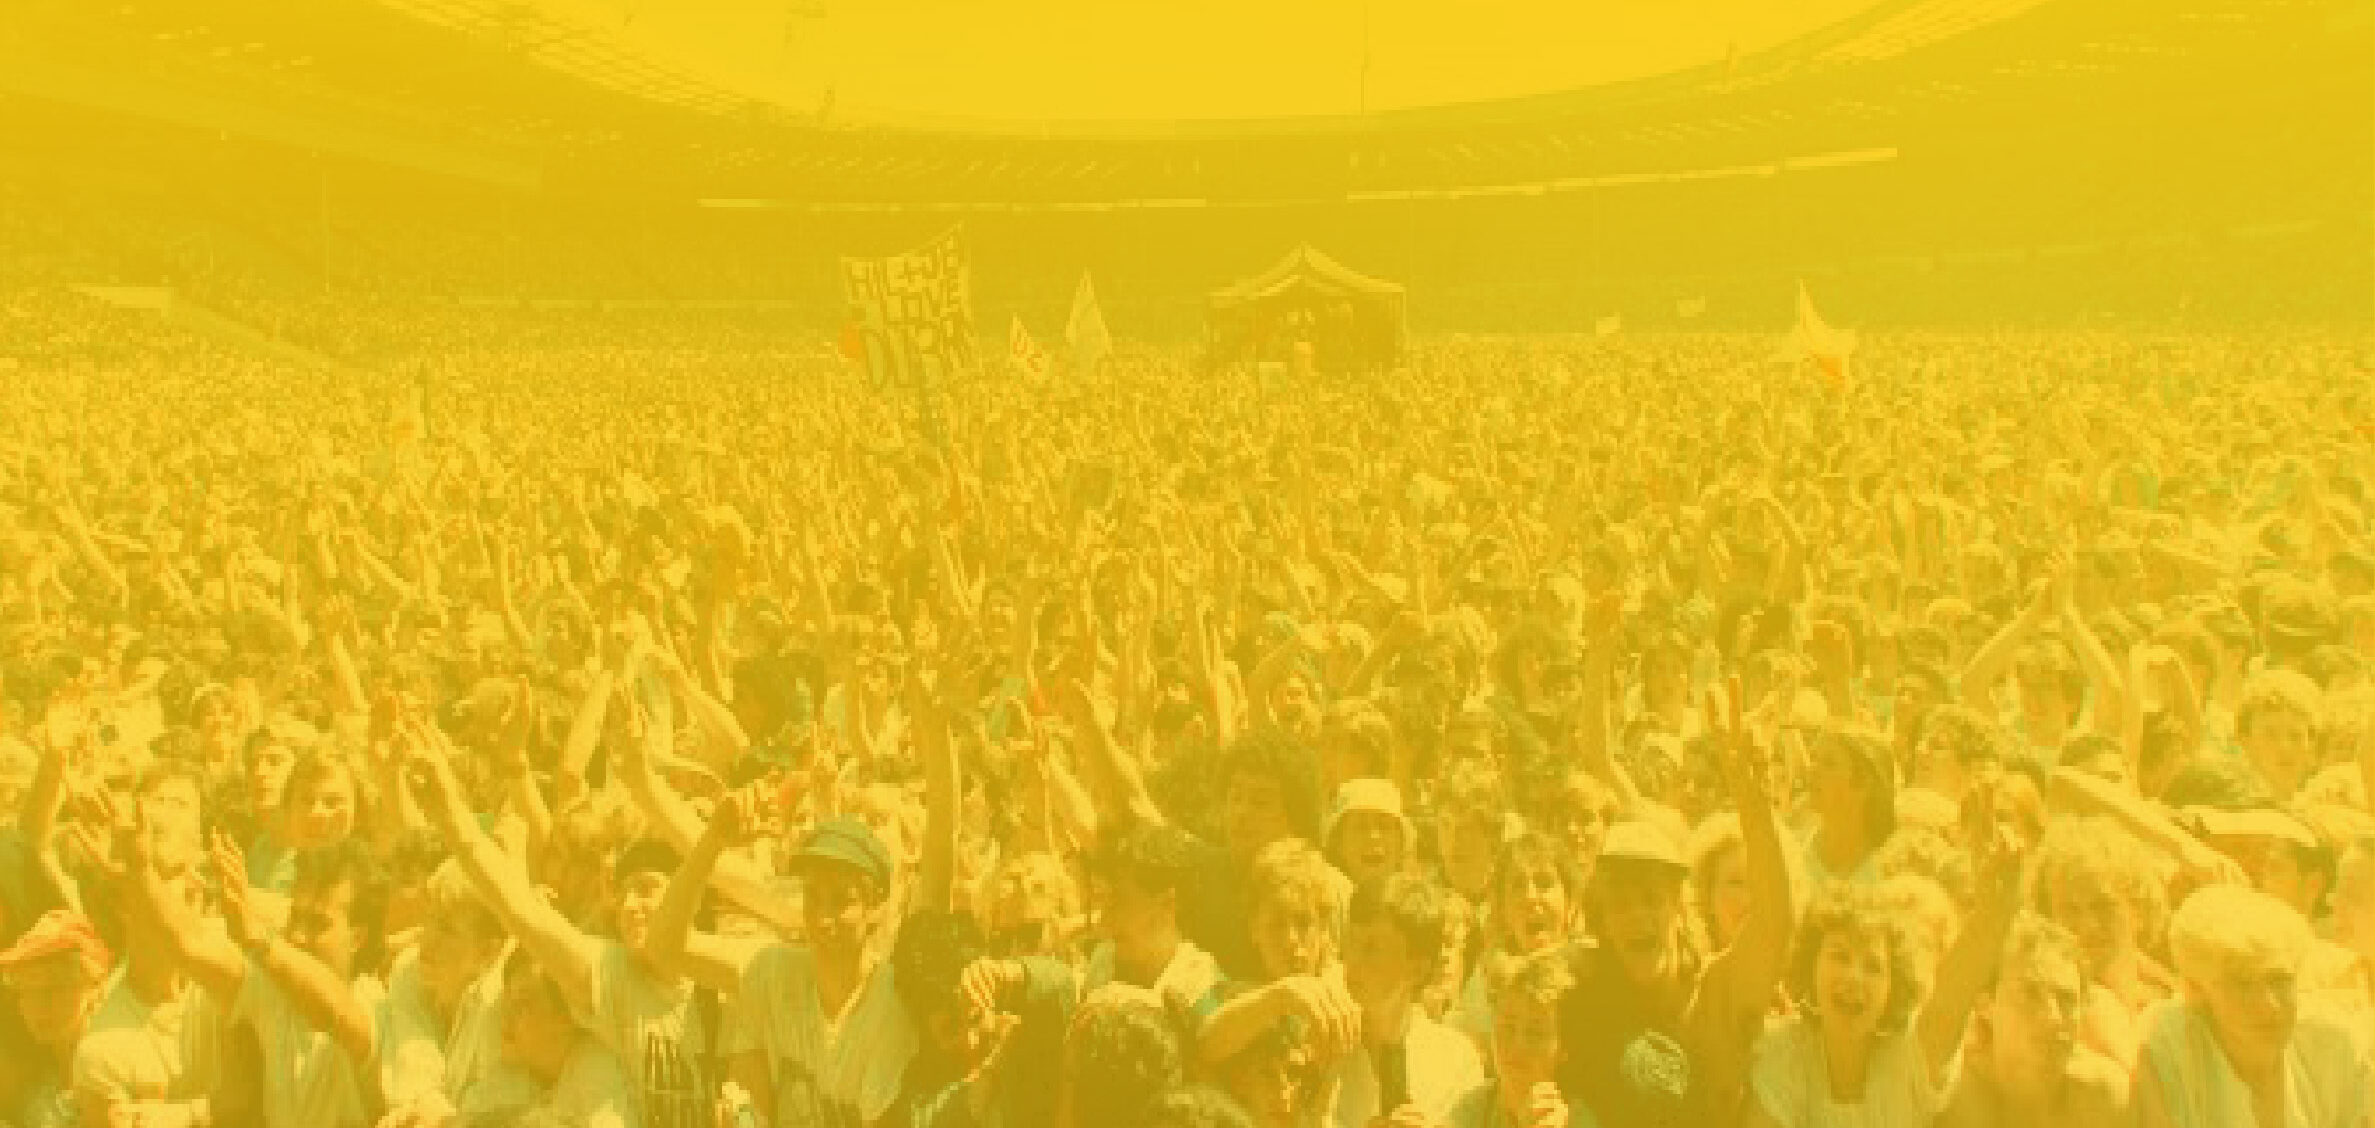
column 1378, row 795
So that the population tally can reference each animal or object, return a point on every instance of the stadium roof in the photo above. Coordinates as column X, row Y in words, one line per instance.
column 570, row 92
column 1073, row 69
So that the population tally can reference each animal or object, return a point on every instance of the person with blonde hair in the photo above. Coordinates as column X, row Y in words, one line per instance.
column 2238, row 1049
column 1298, row 904
column 2098, row 881
column 2276, row 729
column 1523, row 1090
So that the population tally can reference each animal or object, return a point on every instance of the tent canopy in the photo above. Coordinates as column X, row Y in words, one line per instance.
column 1305, row 267
column 1304, row 294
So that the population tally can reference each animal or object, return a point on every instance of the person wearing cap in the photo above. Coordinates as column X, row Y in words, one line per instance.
column 634, row 991
column 1367, row 835
column 1656, row 1033
column 53, row 972
column 814, row 1031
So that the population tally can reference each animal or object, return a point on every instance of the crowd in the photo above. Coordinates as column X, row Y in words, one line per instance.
column 572, row 730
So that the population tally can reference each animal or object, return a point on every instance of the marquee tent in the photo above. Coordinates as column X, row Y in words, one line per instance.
column 1351, row 321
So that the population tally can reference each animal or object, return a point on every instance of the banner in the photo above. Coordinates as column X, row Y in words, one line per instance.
column 1085, row 331
column 1028, row 357
column 912, row 314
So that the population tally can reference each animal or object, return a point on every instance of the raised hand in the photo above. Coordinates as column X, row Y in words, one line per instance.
column 1743, row 754
column 739, row 814
column 1324, row 1003
column 240, row 917
column 1548, row 1107
column 430, row 771
column 986, row 982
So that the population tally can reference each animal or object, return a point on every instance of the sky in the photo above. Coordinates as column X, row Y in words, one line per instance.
column 1086, row 61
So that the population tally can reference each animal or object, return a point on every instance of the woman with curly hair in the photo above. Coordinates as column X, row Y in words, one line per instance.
column 1866, row 1048
column 2099, row 882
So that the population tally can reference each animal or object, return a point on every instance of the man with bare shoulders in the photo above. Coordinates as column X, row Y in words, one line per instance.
column 2025, row 1065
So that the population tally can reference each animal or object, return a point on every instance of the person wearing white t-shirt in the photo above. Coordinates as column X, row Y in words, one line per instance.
column 1406, row 1066
column 579, row 1082
column 816, row 1034
column 1869, row 1049
column 154, row 1047
column 638, row 997
column 438, row 1051
column 305, row 994
column 1143, row 946
column 2241, row 1047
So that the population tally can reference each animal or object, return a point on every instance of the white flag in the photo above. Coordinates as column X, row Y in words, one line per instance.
column 1029, row 358
column 1813, row 339
column 1085, row 332
column 1609, row 326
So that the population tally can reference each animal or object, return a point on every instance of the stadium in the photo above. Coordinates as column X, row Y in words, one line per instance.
column 1936, row 162
column 1339, row 564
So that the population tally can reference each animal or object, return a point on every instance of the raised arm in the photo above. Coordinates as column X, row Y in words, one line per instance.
column 676, row 821
column 2073, row 790
column 208, row 956
column 1118, row 782
column 1759, row 955
column 727, row 742
column 1971, row 962
column 2112, row 690
column 565, row 953
column 1592, row 744
column 1987, row 667
column 312, row 988
column 672, row 944
column 585, row 731
column 2145, row 661
column 943, row 784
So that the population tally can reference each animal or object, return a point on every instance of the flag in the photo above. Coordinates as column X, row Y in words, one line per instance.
column 1029, row 358
column 1813, row 341
column 1608, row 326
column 1085, row 331
column 1687, row 308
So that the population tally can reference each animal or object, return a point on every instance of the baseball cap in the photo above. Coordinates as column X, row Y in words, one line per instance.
column 847, row 842
column 2254, row 822
column 1643, row 842
column 2297, row 612
column 1375, row 795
